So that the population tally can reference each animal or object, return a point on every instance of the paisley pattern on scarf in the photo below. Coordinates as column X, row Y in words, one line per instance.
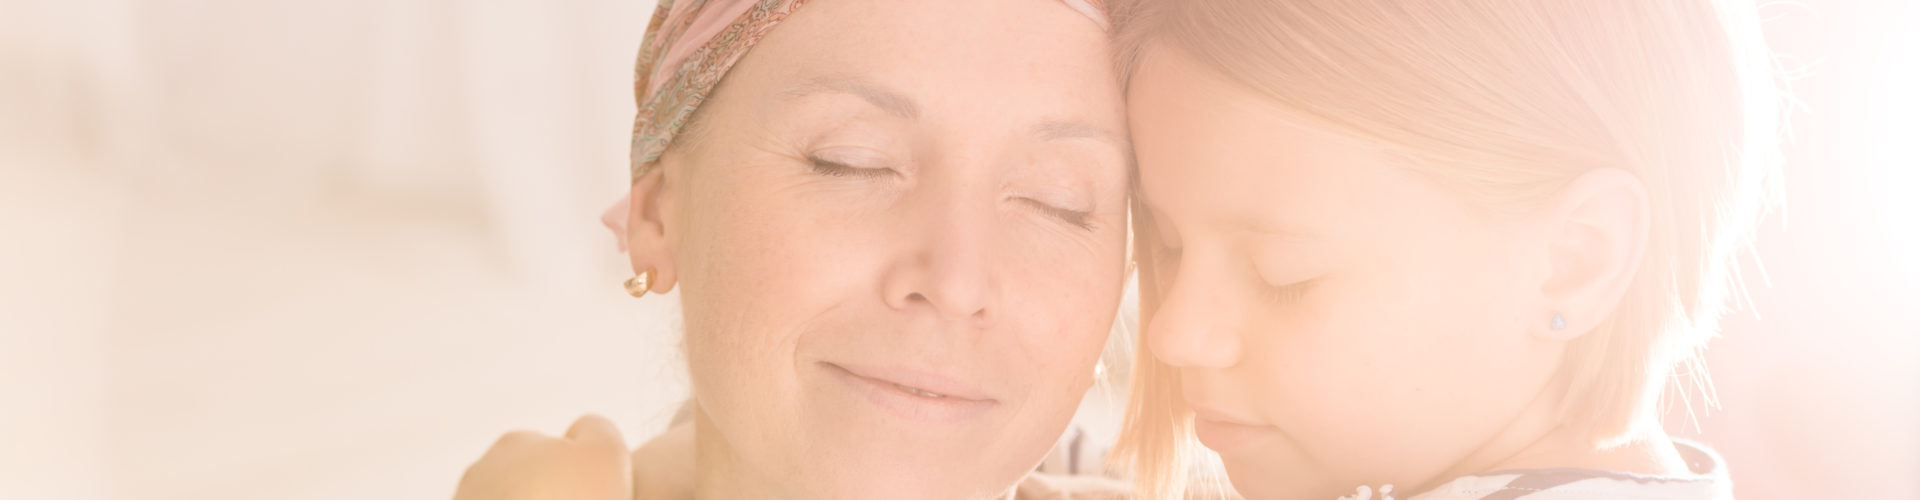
column 665, row 110
column 686, row 78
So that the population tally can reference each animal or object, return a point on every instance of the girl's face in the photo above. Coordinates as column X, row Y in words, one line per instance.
column 1335, row 318
column 899, row 234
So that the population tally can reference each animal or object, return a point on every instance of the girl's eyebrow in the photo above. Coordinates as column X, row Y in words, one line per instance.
column 1253, row 222
column 881, row 97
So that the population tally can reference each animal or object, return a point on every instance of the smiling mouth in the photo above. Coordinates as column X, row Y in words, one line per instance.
column 918, row 392
column 898, row 393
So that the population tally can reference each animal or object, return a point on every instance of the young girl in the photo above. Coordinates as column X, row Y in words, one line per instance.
column 1436, row 249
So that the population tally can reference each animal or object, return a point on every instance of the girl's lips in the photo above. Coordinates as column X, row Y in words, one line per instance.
column 1224, row 434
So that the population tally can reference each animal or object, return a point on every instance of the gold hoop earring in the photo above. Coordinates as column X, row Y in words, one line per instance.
column 638, row 286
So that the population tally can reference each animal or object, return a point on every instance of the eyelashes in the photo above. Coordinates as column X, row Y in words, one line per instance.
column 1077, row 218
column 1285, row 293
column 1278, row 294
column 832, row 168
column 1080, row 219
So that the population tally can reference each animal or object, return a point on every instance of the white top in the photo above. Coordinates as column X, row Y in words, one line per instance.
column 1708, row 481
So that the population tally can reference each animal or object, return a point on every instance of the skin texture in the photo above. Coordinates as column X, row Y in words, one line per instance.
column 1338, row 319
column 900, row 189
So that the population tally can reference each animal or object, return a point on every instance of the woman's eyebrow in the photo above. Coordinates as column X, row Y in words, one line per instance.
column 1054, row 130
column 887, row 100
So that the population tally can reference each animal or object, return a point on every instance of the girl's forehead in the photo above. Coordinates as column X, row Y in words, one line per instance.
column 1247, row 172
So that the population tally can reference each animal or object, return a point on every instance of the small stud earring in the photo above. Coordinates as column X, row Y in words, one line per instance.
column 1559, row 322
column 638, row 285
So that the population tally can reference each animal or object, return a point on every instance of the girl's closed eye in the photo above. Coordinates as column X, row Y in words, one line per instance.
column 1286, row 291
column 1283, row 294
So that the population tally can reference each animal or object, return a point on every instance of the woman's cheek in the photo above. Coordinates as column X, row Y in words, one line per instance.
column 1071, row 304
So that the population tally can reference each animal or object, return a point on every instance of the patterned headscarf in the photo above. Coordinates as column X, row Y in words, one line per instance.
column 691, row 44
column 688, row 48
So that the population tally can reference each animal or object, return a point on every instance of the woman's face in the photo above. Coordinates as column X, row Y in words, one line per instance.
column 1336, row 319
column 899, row 236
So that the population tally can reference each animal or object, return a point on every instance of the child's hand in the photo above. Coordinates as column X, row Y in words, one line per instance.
column 589, row 463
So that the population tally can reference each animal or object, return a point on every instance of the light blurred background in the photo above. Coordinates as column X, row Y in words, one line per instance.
column 316, row 250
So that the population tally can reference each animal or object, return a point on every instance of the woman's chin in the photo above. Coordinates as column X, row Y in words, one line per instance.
column 861, row 475
column 886, row 455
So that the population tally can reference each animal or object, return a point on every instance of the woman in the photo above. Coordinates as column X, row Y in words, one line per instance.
column 898, row 230
column 1456, row 248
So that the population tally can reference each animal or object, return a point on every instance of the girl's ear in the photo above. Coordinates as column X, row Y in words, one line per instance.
column 1597, row 235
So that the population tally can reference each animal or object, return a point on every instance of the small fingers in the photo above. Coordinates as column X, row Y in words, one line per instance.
column 595, row 429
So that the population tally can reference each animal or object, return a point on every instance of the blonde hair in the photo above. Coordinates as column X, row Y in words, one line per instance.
column 1508, row 100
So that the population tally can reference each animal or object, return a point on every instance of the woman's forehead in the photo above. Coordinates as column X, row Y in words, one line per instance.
column 968, row 66
column 1007, row 39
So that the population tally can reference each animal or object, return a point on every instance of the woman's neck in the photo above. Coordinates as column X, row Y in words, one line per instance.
column 718, row 472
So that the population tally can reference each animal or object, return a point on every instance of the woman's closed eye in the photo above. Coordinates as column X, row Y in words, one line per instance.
column 838, row 168
column 1082, row 219
column 851, row 161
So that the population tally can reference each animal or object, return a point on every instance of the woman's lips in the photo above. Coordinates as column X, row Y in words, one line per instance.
column 1224, row 434
column 911, row 393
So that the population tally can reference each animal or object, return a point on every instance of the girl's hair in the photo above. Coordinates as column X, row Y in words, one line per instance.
column 1508, row 100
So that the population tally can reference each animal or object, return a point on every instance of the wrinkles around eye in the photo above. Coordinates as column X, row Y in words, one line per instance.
column 851, row 162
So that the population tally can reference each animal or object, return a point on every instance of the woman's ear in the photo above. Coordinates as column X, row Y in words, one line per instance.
column 647, row 238
column 1597, row 228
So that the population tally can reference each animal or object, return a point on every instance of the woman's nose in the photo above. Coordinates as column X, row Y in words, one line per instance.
column 949, row 269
